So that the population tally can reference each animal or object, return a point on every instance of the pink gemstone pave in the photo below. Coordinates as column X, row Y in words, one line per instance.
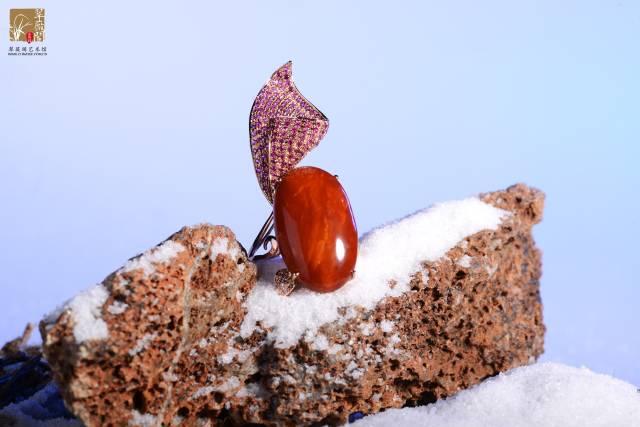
column 283, row 128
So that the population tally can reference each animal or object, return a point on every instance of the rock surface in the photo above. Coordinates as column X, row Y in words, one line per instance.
column 162, row 340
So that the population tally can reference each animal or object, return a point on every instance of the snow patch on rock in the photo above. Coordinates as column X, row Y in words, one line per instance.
column 221, row 247
column 161, row 254
column 465, row 261
column 85, row 310
column 86, row 313
column 234, row 353
column 142, row 420
column 203, row 391
column 387, row 326
column 142, row 343
column 317, row 342
column 117, row 307
column 389, row 254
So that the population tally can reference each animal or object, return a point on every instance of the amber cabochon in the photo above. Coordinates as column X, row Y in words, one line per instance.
column 315, row 228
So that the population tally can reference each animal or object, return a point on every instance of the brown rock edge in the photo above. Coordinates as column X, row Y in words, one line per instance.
column 174, row 356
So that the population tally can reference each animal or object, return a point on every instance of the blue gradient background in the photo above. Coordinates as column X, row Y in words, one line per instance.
column 135, row 124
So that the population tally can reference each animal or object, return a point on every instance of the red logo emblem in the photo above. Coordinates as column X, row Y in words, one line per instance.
column 29, row 36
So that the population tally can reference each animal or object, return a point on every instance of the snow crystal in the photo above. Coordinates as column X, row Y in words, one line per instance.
column 142, row 420
column 252, row 390
column 232, row 352
column 354, row 370
column 335, row 348
column 546, row 394
column 390, row 253
column 117, row 307
column 86, row 312
column 390, row 349
column 465, row 261
column 161, row 254
column 229, row 385
column 318, row 342
column 170, row 377
column 366, row 329
column 221, row 246
column 387, row 325
column 142, row 344
column 203, row 391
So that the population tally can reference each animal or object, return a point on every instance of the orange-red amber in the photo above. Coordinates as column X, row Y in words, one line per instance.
column 315, row 228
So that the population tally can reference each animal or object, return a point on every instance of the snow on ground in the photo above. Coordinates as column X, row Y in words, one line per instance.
column 541, row 395
column 424, row 236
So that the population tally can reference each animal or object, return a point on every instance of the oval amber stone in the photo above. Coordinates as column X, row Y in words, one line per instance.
column 315, row 228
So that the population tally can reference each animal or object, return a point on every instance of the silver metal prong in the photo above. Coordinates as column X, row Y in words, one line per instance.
column 263, row 238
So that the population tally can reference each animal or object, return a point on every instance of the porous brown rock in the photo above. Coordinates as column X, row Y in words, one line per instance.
column 161, row 343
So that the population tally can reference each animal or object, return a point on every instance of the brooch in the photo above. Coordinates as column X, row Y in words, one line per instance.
column 315, row 230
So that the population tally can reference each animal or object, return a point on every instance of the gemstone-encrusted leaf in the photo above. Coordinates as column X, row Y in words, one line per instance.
column 283, row 128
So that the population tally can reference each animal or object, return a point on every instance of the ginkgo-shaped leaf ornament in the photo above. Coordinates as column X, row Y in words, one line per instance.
column 283, row 128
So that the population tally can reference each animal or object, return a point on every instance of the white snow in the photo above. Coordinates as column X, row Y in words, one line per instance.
column 117, row 307
column 86, row 312
column 390, row 253
column 142, row 343
column 142, row 420
column 354, row 370
column 161, row 254
column 387, row 325
column 229, row 385
column 317, row 342
column 366, row 329
column 546, row 394
column 252, row 389
column 86, row 307
column 203, row 391
column 221, row 246
column 232, row 353
column 170, row 377
column 465, row 261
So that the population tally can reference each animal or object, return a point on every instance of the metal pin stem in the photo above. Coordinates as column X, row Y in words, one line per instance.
column 263, row 239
